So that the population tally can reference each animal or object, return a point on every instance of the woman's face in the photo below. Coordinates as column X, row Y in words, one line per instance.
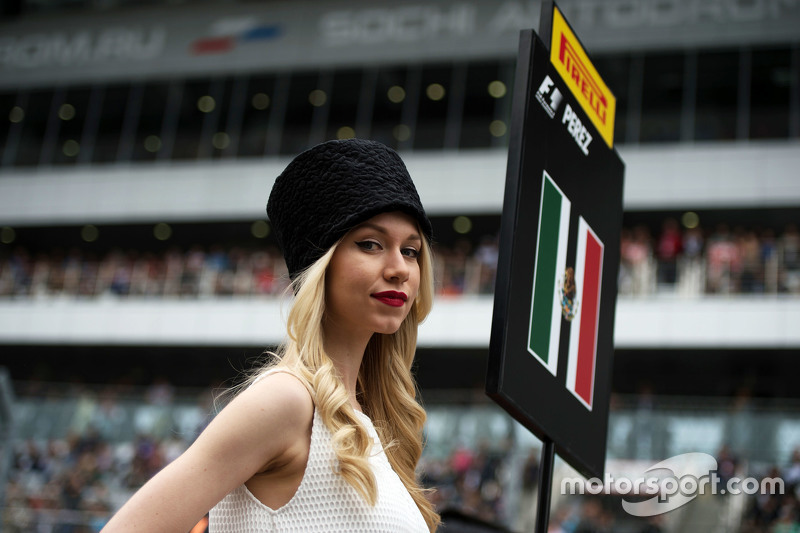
column 373, row 277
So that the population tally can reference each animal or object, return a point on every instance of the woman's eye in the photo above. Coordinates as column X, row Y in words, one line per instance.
column 367, row 245
column 411, row 252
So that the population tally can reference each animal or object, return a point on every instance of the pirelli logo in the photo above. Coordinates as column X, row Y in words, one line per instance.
column 572, row 63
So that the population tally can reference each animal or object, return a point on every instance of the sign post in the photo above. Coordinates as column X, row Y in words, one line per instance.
column 551, row 349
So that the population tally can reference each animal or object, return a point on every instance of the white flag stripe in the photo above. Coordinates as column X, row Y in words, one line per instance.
column 561, row 266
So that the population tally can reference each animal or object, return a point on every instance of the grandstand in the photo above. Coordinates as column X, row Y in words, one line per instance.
column 138, row 143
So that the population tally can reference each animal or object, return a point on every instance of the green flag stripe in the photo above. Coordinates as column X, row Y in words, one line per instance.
column 550, row 253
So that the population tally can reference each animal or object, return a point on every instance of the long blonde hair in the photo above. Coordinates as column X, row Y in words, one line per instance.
column 386, row 386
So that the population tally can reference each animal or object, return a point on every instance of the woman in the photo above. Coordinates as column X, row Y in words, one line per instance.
column 326, row 437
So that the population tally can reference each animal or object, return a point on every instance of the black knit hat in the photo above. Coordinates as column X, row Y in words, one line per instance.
column 332, row 187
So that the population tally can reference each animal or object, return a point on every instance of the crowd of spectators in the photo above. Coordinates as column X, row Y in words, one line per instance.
column 71, row 480
column 693, row 261
column 195, row 272
column 70, row 476
column 777, row 513
column 200, row 272
column 470, row 481
column 690, row 262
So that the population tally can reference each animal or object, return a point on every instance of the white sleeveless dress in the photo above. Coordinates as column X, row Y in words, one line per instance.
column 324, row 501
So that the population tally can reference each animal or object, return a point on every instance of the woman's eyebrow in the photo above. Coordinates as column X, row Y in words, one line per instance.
column 377, row 227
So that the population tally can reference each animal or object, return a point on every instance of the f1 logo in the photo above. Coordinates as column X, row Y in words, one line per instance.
column 549, row 96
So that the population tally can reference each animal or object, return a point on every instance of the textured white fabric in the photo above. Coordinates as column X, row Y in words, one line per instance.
column 324, row 501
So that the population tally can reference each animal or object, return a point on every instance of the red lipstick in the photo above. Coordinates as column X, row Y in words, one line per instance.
column 393, row 298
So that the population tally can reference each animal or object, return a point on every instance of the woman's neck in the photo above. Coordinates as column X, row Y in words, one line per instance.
column 346, row 351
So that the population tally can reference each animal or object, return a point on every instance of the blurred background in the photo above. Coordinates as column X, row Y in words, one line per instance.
column 139, row 278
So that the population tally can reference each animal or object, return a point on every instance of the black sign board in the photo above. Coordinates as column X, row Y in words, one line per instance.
column 551, row 348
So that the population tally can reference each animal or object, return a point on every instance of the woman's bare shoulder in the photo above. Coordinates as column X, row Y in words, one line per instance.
column 281, row 392
column 278, row 403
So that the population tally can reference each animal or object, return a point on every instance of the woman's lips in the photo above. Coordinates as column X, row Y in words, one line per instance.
column 393, row 298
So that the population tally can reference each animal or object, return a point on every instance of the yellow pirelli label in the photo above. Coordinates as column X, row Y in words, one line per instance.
column 572, row 63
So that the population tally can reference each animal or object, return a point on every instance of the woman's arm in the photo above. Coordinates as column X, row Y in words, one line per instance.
column 254, row 430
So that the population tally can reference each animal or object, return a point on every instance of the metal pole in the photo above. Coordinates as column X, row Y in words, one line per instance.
column 545, row 485
column 7, row 436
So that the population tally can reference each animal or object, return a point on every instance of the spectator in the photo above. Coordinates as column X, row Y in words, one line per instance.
column 791, row 474
column 789, row 250
column 787, row 520
column 668, row 249
column 625, row 279
column 486, row 256
column 691, row 276
column 21, row 269
column 727, row 464
column 639, row 255
column 763, row 510
column 752, row 273
column 526, row 517
column 723, row 261
column 769, row 260
column 122, row 268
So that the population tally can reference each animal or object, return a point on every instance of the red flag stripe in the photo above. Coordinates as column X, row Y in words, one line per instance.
column 212, row 45
column 590, row 311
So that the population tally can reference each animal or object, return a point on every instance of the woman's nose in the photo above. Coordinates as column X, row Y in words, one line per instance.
column 396, row 266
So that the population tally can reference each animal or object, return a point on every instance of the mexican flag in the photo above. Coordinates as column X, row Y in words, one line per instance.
column 563, row 295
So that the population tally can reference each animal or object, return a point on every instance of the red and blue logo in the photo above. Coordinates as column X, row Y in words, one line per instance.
column 227, row 34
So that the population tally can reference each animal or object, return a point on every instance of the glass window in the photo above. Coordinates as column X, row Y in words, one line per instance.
column 433, row 107
column 717, row 95
column 148, row 141
column 770, row 89
column 109, row 128
column 36, row 111
column 391, row 95
column 215, row 138
column 225, row 137
column 197, row 105
column 11, row 117
column 662, row 97
column 71, row 118
column 258, row 104
column 484, row 92
column 304, row 97
column 344, row 102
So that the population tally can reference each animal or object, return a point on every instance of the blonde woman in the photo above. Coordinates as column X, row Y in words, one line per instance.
column 327, row 436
